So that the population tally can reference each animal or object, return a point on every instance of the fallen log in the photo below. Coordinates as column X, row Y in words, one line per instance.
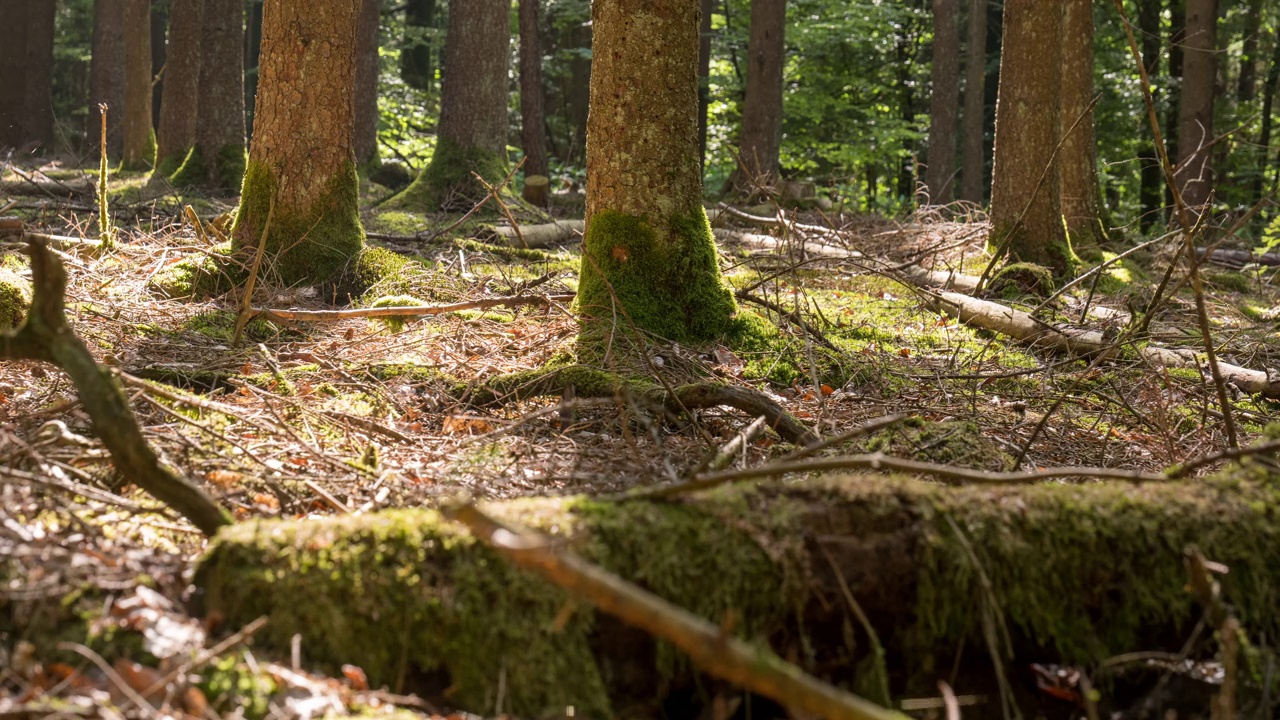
column 1077, row 573
column 535, row 236
column 1238, row 258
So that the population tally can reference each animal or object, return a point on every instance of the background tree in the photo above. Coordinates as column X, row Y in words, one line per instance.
column 704, row 74
column 533, row 125
column 180, row 102
column 472, row 134
column 365, row 141
column 106, row 75
column 761, row 139
column 973, row 161
column 416, row 66
column 1078, row 192
column 1195, row 115
column 943, row 102
column 139, row 139
column 301, row 172
column 1151, row 176
column 648, row 243
column 217, row 160
column 26, row 62
column 1025, row 212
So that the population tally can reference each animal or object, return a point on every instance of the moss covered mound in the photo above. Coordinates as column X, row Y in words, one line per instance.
column 953, row 442
column 228, row 170
column 446, row 183
column 15, row 298
column 1076, row 572
column 1018, row 279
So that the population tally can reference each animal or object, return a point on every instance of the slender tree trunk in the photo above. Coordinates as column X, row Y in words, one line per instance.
column 575, row 88
column 975, row 68
column 139, row 140
column 301, row 173
column 648, row 245
column 944, row 102
column 366, row 82
column 26, row 79
column 472, row 134
column 1177, row 32
column 159, row 55
column 762, row 108
column 1264, row 136
column 704, row 75
column 1247, row 86
column 1151, row 177
column 1025, row 213
column 180, row 104
column 1195, row 126
column 1079, row 178
column 217, row 161
column 533, row 122
column 106, row 75
column 416, row 67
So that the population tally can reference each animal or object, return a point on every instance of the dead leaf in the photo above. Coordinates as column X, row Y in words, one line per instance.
column 356, row 677
column 224, row 479
column 904, row 352
column 462, row 425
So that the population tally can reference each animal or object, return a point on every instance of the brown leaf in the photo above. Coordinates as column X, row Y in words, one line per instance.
column 356, row 677
column 224, row 479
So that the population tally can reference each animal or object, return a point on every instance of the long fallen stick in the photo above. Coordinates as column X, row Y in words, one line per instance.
column 407, row 310
column 711, row 648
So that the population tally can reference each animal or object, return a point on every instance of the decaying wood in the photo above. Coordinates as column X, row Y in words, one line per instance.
column 711, row 648
column 537, row 190
column 543, row 235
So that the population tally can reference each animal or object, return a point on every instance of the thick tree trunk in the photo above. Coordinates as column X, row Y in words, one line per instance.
column 762, row 108
column 217, row 160
column 180, row 103
column 1079, row 179
column 1247, row 85
column 1195, row 117
column 1075, row 573
column 26, row 75
column 301, row 176
column 648, row 244
column 139, row 140
column 974, row 164
column 366, row 82
column 533, row 121
column 1152, row 177
column 944, row 102
column 252, row 48
column 472, row 134
column 416, row 66
column 1025, row 212
column 704, row 75
column 106, row 76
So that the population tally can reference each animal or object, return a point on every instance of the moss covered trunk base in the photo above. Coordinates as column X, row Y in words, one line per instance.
column 1078, row 573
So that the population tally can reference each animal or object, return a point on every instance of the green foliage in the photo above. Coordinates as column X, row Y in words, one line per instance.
column 15, row 297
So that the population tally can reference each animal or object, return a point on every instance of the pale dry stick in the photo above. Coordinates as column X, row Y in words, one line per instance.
column 1099, row 268
column 561, row 406
column 493, row 191
column 246, row 305
column 144, row 707
column 1183, row 470
column 720, row 458
column 406, row 310
column 707, row 645
column 868, row 427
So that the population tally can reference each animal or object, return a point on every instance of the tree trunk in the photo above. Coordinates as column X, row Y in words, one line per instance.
column 1078, row 193
column 1247, row 85
column 648, row 243
column 159, row 54
column 1264, row 135
column 1152, row 177
column 180, row 104
column 416, row 66
column 472, row 134
column 301, row 175
column 26, row 75
column 1177, row 32
column 533, row 122
column 1073, row 573
column 217, row 160
column 762, row 108
column 366, row 82
column 106, row 76
column 975, row 68
column 139, row 139
column 944, row 102
column 1195, row 116
column 1025, row 212
column 252, row 48
column 576, row 89
column 704, row 75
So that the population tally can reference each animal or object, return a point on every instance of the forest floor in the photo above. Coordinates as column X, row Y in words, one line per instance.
column 319, row 418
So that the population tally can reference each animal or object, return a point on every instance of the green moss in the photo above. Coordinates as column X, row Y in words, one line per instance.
column 1021, row 278
column 378, row 272
column 395, row 222
column 230, row 165
column 1057, row 255
column 782, row 359
column 166, row 167
column 232, row 686
column 198, row 276
column 954, row 442
column 192, row 171
column 1233, row 281
column 15, row 299
column 667, row 279
column 446, row 182
column 304, row 245
column 396, row 323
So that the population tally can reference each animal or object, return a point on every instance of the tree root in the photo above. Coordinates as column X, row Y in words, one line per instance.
column 592, row 382
column 46, row 337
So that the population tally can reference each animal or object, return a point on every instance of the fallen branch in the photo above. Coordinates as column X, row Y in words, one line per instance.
column 710, row 647
column 544, row 235
column 405, row 310
column 1238, row 258
column 45, row 336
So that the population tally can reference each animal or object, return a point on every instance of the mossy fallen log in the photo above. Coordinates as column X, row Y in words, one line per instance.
column 1077, row 573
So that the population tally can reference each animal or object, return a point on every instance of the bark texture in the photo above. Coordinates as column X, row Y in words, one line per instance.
column 472, row 134
column 1195, row 115
column 1079, row 179
column 139, row 139
column 106, row 76
column 974, row 162
column 1152, row 177
column 704, row 75
column 648, row 244
column 301, row 161
column 180, row 103
column 533, row 132
column 217, row 161
column 26, row 80
column 758, row 162
column 417, row 68
column 365, row 141
column 1025, row 212
column 944, row 102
